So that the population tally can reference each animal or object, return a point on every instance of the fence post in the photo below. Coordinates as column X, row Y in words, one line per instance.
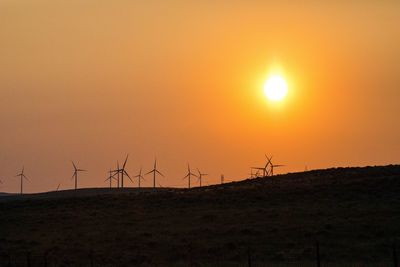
column 248, row 257
column 190, row 250
column 91, row 259
column 46, row 254
column 317, row 254
column 9, row 261
column 395, row 255
column 28, row 259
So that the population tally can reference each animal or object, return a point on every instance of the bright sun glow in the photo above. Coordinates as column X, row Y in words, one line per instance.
column 275, row 88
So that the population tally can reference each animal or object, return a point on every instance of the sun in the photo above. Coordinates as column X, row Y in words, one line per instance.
column 275, row 88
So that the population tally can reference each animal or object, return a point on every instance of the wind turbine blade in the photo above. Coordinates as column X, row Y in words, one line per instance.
column 73, row 164
column 139, row 175
column 149, row 172
column 126, row 159
column 81, row 170
column 160, row 173
column 126, row 174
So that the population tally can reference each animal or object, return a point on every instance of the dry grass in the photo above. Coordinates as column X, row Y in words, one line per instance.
column 353, row 212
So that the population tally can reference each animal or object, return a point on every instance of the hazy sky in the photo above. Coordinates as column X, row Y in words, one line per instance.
column 93, row 80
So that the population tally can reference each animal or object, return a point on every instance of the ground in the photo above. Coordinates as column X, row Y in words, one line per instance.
column 354, row 214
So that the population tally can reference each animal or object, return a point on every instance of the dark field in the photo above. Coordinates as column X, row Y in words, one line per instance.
column 354, row 213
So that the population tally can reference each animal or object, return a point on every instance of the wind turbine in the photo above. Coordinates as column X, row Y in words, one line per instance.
column 267, row 164
column 22, row 176
column 139, row 177
column 189, row 175
column 254, row 174
column 75, row 175
column 154, row 171
column 123, row 172
column 110, row 177
column 201, row 176
column 272, row 166
column 263, row 169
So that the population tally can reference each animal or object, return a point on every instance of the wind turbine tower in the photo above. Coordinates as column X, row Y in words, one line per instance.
column 200, row 176
column 139, row 177
column 22, row 177
column 189, row 175
column 155, row 172
column 110, row 177
column 272, row 166
column 124, row 172
column 75, row 175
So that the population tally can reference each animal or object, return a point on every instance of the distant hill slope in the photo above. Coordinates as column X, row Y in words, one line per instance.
column 354, row 213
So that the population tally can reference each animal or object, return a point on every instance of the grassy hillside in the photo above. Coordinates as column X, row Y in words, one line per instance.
column 354, row 213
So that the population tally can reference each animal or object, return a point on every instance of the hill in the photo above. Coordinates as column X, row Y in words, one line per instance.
column 354, row 214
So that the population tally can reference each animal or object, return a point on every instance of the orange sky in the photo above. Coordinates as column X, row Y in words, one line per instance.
column 93, row 80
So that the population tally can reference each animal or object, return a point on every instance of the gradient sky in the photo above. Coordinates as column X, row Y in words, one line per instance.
column 93, row 80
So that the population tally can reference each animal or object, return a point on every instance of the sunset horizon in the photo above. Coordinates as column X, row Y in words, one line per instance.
column 133, row 78
column 137, row 101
